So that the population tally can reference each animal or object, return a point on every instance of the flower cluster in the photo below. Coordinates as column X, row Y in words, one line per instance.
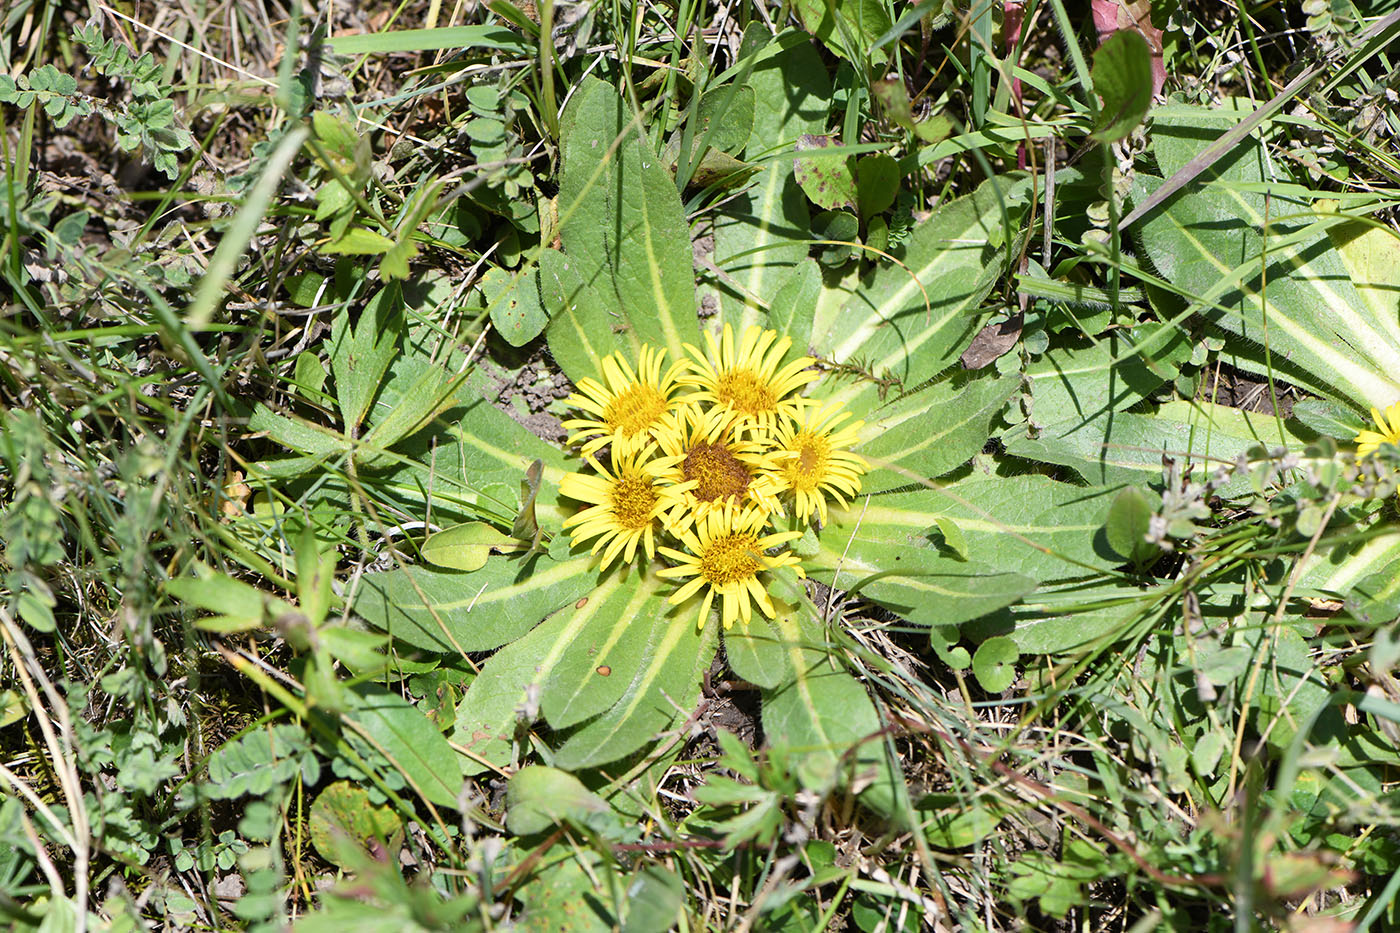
column 706, row 454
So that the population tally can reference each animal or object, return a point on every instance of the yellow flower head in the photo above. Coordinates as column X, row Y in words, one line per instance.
column 727, row 552
column 1368, row 442
column 626, row 504
column 813, row 459
column 627, row 405
column 700, row 448
column 749, row 383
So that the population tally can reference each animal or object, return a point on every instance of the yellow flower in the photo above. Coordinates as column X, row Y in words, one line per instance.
column 626, row 504
column 727, row 553
column 627, row 405
column 813, row 460
column 1388, row 422
column 748, row 383
column 699, row 448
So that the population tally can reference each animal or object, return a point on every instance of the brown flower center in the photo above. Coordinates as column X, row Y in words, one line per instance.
column 633, row 498
column 717, row 472
column 730, row 558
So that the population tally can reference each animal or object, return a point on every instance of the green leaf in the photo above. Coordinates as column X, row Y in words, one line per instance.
column 907, row 323
column 1076, row 384
column 257, row 762
column 464, row 547
column 411, row 742
column 539, row 799
column 654, row 901
column 727, row 119
column 416, row 393
column 757, row 651
column 850, row 28
column 621, row 220
column 824, row 718
column 608, row 629
column 315, row 574
column 1127, row 447
column 1028, row 525
column 489, row 38
column 1122, row 76
column 663, row 688
column 827, row 179
column 877, row 183
column 360, row 355
column 358, row 241
column 664, row 676
column 458, row 613
column 514, row 303
column 239, row 607
column 342, row 816
column 1071, row 617
column 760, row 234
column 1328, row 419
column 994, row 664
column 1292, row 291
column 1291, row 690
column 581, row 330
column 932, row 431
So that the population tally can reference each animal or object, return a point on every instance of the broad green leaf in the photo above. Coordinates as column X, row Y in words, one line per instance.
column 609, row 645
column 761, row 233
column 360, row 355
column 342, row 816
column 298, row 435
column 427, row 40
column 757, row 652
column 1372, row 257
column 464, row 547
column 1328, row 418
column 933, row 431
column 909, row 322
column 358, row 241
column 727, row 115
column 581, row 328
column 825, row 719
column 503, row 696
column 514, row 304
column 906, row 575
column 994, row 663
column 654, row 901
column 1068, row 618
column 1122, row 76
column 1289, row 290
column 417, row 392
column 1336, row 569
column 663, row 688
column 621, row 220
column 410, row 741
column 877, row 183
column 827, row 179
column 1291, row 689
column 1127, row 447
column 539, row 799
column 1071, row 384
column 1129, row 518
column 463, row 612
column 794, row 306
column 850, row 28
column 1028, row 525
